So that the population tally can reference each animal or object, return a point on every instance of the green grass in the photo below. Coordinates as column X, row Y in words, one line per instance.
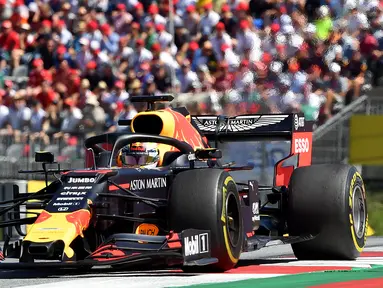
column 375, row 212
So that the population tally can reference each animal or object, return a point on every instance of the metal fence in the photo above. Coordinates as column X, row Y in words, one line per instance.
column 331, row 140
column 20, row 156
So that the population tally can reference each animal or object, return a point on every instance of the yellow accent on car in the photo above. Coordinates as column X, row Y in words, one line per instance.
column 223, row 218
column 56, row 227
column 32, row 187
column 352, row 184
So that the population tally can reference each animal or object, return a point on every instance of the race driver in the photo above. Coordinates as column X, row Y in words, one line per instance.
column 138, row 155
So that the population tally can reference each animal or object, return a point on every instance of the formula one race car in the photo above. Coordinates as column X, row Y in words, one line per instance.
column 189, row 211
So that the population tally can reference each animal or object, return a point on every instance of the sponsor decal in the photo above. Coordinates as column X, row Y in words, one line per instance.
column 255, row 208
column 49, row 229
column 298, row 122
column 67, row 204
column 137, row 149
column 254, row 203
column 151, row 183
column 81, row 180
column 238, row 123
column 69, row 198
column 77, row 187
column 147, row 229
column 73, row 193
column 138, row 184
column 301, row 145
column 232, row 122
column 301, row 122
column 196, row 244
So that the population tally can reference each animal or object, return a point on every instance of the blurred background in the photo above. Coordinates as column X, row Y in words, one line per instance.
column 68, row 70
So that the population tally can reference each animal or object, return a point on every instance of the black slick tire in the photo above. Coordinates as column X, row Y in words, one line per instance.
column 208, row 199
column 329, row 201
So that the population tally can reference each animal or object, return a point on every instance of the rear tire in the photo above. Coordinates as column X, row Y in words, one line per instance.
column 328, row 201
column 208, row 199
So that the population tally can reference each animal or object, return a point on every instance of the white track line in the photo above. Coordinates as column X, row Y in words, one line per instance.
column 354, row 264
column 153, row 282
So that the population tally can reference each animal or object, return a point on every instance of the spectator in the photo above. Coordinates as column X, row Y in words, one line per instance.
column 5, row 10
column 141, row 54
column 38, row 116
column 338, row 87
column 187, row 76
column 9, row 39
column 209, row 19
column 110, row 39
column 19, row 116
column 65, row 37
column 93, row 119
column 162, row 78
column 128, row 111
column 4, row 111
column 324, row 23
column 228, row 20
column 52, row 123
column 219, row 39
column 70, row 119
column 192, row 20
column 248, row 42
column 47, row 95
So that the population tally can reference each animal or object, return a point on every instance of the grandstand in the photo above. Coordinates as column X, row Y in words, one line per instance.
column 69, row 68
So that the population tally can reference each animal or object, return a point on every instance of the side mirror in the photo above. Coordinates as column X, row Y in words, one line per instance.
column 44, row 157
column 208, row 153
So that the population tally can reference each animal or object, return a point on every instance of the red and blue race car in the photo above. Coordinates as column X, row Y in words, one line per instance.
column 191, row 211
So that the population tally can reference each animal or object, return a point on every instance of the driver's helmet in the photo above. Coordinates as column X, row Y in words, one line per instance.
column 138, row 155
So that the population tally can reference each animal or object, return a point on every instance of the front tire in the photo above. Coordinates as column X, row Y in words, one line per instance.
column 328, row 201
column 208, row 199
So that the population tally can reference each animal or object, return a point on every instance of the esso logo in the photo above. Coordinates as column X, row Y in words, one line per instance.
column 302, row 145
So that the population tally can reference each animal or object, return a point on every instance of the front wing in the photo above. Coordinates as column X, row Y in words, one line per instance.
column 191, row 247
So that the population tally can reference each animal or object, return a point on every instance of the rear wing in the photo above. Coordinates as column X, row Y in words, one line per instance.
column 248, row 127
column 268, row 127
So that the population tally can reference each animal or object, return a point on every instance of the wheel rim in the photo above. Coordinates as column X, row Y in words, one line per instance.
column 232, row 219
column 359, row 212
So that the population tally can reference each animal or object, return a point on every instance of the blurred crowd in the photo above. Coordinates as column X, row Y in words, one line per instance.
column 73, row 67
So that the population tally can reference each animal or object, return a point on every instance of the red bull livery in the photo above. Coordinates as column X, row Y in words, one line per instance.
column 166, row 193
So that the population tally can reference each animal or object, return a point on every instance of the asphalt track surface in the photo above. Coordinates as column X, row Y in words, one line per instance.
column 14, row 278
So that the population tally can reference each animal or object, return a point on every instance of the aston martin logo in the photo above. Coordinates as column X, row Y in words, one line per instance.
column 239, row 123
